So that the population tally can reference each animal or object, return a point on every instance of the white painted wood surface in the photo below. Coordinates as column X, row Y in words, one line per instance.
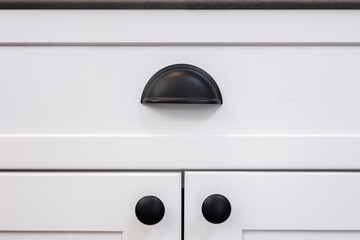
column 50, row 235
column 180, row 26
column 79, row 107
column 266, row 90
column 177, row 152
column 80, row 205
column 301, row 235
column 276, row 205
column 290, row 85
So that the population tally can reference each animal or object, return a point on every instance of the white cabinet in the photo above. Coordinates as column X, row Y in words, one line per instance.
column 86, row 205
column 70, row 88
column 276, row 205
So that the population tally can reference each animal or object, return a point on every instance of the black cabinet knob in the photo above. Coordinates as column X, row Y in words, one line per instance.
column 216, row 208
column 150, row 210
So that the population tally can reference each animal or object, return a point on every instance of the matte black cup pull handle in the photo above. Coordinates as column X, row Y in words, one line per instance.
column 150, row 210
column 216, row 208
column 181, row 83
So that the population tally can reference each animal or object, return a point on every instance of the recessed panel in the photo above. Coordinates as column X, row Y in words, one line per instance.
column 61, row 235
column 265, row 90
column 301, row 235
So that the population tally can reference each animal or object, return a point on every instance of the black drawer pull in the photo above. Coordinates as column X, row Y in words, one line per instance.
column 181, row 83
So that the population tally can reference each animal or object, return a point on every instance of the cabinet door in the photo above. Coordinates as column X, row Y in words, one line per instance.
column 86, row 205
column 275, row 205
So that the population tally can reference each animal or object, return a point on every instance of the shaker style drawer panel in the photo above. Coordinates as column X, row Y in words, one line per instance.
column 299, row 103
column 272, row 205
column 98, row 90
column 90, row 205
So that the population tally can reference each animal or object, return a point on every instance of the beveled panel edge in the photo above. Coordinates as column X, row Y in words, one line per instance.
column 179, row 4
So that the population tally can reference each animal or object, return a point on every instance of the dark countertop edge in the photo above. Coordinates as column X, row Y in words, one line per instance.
column 179, row 4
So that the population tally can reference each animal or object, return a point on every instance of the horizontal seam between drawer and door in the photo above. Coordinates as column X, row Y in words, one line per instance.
column 166, row 44
column 74, row 170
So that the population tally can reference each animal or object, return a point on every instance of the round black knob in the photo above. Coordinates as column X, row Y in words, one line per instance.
column 150, row 210
column 216, row 208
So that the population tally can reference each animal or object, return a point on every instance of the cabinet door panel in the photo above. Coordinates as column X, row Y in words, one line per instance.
column 301, row 235
column 72, row 205
column 276, row 205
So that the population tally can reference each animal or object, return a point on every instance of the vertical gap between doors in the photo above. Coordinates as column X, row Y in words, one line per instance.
column 182, row 204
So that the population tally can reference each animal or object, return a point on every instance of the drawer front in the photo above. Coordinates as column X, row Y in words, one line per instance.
column 275, row 205
column 80, row 205
column 299, row 104
column 266, row 90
